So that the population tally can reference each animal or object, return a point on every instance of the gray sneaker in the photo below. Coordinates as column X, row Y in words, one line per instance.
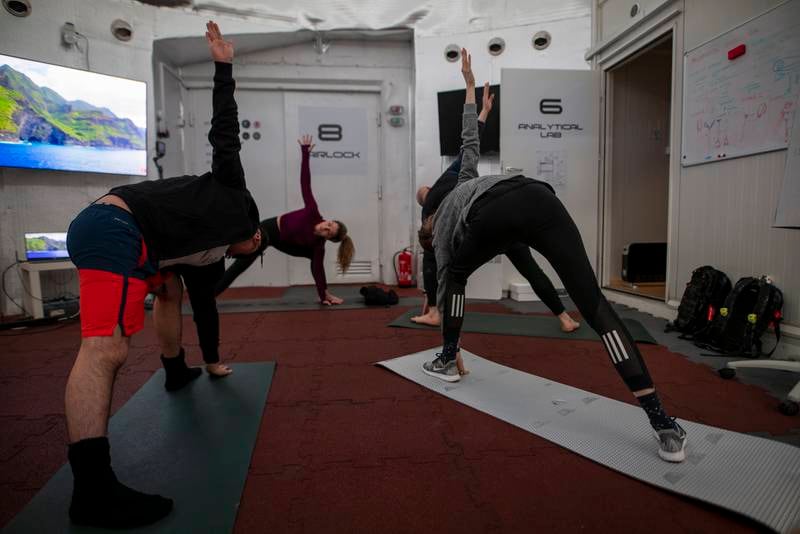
column 443, row 371
column 671, row 443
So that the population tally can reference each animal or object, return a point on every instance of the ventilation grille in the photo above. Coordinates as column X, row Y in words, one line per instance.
column 357, row 268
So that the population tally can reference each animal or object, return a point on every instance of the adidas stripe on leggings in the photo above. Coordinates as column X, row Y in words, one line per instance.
column 528, row 212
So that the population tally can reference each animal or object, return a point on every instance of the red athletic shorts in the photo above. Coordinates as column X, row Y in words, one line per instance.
column 115, row 273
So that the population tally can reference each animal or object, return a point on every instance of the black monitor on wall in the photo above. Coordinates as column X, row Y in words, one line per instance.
column 451, row 107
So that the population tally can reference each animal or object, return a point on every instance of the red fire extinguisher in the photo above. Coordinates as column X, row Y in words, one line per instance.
column 403, row 268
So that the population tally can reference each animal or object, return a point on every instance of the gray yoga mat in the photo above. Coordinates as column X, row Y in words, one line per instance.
column 755, row 477
column 193, row 446
column 299, row 298
column 524, row 325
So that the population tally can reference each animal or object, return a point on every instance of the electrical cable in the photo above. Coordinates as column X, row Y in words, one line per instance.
column 86, row 52
column 5, row 292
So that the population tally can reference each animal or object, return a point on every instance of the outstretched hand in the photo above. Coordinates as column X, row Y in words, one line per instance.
column 488, row 99
column 308, row 141
column 221, row 50
column 466, row 68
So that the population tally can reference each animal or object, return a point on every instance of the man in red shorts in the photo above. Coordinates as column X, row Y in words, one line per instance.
column 119, row 243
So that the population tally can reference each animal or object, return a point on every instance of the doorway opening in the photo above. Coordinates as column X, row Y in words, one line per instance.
column 638, row 146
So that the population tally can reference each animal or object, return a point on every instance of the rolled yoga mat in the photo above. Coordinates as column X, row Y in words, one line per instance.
column 193, row 445
column 509, row 324
column 753, row 476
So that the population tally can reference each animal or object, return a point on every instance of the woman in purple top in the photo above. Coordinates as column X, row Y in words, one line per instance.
column 300, row 233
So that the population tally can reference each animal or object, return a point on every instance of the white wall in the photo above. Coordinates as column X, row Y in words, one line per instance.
column 721, row 213
column 382, row 66
column 33, row 200
column 570, row 40
column 46, row 199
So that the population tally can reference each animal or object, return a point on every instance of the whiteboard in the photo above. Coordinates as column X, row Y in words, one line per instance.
column 743, row 106
column 787, row 214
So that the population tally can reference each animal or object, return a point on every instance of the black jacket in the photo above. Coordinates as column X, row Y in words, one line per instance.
column 181, row 216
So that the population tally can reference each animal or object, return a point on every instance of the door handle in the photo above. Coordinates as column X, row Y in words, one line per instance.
column 513, row 170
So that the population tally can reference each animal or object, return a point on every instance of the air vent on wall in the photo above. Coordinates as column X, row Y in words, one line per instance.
column 357, row 268
column 496, row 46
column 18, row 8
column 122, row 30
column 452, row 53
column 541, row 40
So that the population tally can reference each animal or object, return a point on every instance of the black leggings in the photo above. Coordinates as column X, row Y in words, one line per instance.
column 532, row 215
column 199, row 282
column 522, row 260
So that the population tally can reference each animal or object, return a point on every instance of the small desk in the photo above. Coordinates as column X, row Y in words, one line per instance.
column 32, row 296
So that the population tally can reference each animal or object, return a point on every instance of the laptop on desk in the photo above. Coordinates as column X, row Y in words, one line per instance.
column 46, row 246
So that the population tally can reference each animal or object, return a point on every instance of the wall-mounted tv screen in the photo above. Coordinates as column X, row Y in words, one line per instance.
column 59, row 118
column 46, row 246
column 451, row 107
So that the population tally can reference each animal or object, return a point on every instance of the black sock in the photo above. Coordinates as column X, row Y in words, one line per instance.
column 99, row 499
column 659, row 420
column 449, row 351
column 178, row 374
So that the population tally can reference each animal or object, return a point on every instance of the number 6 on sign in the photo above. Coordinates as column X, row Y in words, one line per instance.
column 329, row 132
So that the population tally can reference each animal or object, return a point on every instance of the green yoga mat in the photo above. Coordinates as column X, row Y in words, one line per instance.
column 524, row 325
column 193, row 445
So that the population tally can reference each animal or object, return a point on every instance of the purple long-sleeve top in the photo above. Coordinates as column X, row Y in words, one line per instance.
column 297, row 228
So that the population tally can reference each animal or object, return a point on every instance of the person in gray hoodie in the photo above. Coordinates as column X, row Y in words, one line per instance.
column 479, row 219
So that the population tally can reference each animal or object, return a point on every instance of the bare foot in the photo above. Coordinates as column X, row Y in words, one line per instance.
column 460, row 364
column 432, row 318
column 567, row 323
column 218, row 369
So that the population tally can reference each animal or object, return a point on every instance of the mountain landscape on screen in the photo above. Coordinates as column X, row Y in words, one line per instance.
column 33, row 114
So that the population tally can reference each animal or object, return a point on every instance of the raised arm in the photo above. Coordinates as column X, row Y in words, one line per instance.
column 306, row 146
column 470, row 142
column 224, row 135
column 487, row 102
column 455, row 167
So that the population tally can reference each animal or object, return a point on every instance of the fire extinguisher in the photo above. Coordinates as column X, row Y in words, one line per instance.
column 403, row 268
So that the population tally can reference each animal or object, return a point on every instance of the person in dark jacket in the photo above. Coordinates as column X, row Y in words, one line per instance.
column 119, row 244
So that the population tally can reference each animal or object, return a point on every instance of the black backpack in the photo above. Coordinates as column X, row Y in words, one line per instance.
column 703, row 296
column 376, row 296
column 751, row 307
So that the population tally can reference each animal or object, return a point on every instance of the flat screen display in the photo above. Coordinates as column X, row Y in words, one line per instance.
column 46, row 246
column 451, row 107
column 65, row 119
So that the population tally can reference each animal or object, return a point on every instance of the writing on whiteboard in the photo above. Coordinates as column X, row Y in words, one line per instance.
column 745, row 105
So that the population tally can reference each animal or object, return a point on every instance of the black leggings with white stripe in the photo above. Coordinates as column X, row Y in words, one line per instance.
column 528, row 212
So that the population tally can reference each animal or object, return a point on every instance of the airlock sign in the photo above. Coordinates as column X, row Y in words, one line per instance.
column 340, row 139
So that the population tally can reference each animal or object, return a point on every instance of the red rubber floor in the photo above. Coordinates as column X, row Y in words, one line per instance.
column 345, row 446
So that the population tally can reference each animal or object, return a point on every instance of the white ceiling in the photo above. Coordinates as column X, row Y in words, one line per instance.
column 425, row 17
column 187, row 50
